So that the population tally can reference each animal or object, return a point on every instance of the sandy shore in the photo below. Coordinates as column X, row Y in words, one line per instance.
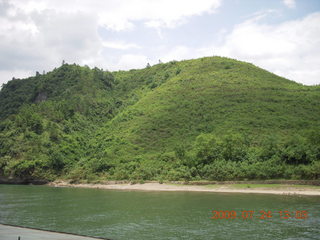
column 285, row 190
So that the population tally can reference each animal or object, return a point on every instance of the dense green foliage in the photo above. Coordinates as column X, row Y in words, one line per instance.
column 210, row 118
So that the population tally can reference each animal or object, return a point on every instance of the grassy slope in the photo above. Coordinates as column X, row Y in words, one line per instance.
column 215, row 95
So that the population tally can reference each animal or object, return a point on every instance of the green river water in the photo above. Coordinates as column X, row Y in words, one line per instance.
column 158, row 215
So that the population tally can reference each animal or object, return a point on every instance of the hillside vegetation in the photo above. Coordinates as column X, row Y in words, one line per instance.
column 210, row 118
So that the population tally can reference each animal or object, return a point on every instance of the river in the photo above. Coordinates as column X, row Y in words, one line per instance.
column 141, row 215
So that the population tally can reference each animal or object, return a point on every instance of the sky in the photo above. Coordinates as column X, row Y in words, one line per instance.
column 281, row 36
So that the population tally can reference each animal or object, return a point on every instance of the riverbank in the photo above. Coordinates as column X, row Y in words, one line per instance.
column 284, row 189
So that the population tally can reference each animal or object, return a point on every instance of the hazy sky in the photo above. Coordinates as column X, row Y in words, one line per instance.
column 282, row 36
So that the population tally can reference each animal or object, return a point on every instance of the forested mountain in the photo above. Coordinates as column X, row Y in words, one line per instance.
column 210, row 118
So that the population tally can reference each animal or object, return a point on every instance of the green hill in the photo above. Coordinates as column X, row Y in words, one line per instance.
column 210, row 118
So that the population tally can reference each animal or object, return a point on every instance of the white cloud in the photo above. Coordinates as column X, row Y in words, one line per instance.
column 40, row 40
column 120, row 45
column 290, row 49
column 178, row 53
column 130, row 61
column 38, row 35
column 121, row 14
column 290, row 3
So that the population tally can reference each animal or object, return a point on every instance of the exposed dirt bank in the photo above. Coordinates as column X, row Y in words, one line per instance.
column 219, row 188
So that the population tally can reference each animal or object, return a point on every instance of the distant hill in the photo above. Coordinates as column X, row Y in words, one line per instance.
column 210, row 118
